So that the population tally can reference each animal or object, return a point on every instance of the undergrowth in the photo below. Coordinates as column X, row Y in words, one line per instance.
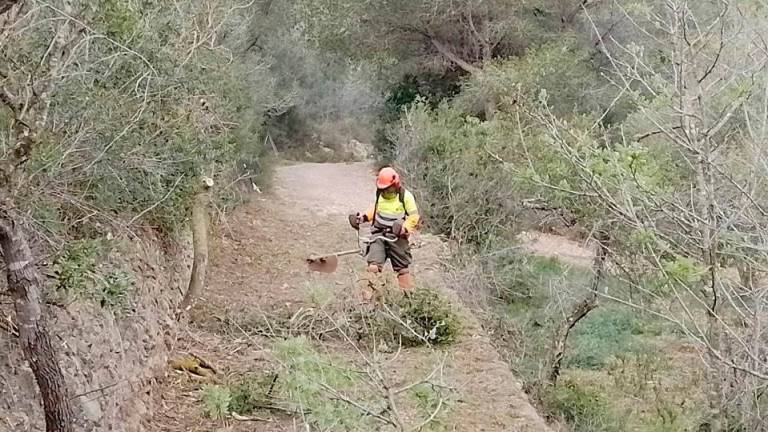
column 427, row 314
column 242, row 395
column 614, row 358
column 80, row 275
column 585, row 409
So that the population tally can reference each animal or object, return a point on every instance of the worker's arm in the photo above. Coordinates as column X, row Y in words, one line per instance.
column 412, row 221
column 369, row 213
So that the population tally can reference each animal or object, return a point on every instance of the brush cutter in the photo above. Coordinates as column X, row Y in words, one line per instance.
column 328, row 263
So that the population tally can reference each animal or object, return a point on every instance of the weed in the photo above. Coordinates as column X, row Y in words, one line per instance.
column 216, row 401
column 429, row 399
column 113, row 291
column 76, row 265
column 320, row 295
column 523, row 280
column 251, row 393
column 78, row 278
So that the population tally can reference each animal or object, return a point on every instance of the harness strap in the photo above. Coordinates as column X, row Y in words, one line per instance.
column 401, row 196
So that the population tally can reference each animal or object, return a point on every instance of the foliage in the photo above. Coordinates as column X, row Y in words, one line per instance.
column 136, row 133
column 430, row 315
column 307, row 379
column 429, row 399
column 252, row 392
column 242, row 396
column 585, row 409
column 521, row 280
column 607, row 333
column 216, row 401
column 79, row 277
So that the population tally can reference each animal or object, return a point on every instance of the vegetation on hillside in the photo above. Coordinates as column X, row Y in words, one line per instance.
column 639, row 125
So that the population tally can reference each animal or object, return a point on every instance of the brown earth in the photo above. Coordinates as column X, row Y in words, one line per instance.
column 257, row 269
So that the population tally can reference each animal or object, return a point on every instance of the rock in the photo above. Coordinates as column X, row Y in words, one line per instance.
column 357, row 150
column 92, row 409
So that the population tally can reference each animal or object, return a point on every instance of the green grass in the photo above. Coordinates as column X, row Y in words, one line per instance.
column 605, row 333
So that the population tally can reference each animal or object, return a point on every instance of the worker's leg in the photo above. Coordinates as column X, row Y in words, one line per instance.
column 376, row 257
column 401, row 258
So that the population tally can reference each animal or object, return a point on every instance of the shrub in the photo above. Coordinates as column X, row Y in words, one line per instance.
column 430, row 315
column 216, row 401
column 585, row 409
column 428, row 400
column 252, row 392
column 522, row 279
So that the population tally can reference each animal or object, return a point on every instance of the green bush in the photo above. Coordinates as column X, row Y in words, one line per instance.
column 242, row 396
column 585, row 409
column 114, row 289
column 216, row 401
column 429, row 315
column 523, row 279
column 76, row 264
column 251, row 393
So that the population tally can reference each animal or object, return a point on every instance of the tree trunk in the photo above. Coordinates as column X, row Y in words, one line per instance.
column 200, row 248
column 24, row 282
column 6, row 5
column 580, row 310
column 450, row 55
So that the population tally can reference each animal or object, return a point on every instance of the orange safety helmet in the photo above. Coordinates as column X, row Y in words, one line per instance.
column 387, row 177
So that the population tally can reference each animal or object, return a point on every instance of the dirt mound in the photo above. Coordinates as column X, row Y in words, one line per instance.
column 258, row 273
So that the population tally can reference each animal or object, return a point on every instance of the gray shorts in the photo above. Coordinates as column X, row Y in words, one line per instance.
column 399, row 254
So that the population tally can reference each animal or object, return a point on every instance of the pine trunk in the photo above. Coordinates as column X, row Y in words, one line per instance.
column 24, row 282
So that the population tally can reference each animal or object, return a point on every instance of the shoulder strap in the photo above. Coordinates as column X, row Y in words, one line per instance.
column 402, row 199
column 376, row 205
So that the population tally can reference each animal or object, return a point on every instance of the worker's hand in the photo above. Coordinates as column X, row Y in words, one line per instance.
column 399, row 230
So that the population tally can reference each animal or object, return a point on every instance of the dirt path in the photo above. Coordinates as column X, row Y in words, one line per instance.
column 257, row 265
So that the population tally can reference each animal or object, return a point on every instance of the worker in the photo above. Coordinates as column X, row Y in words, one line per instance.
column 393, row 213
